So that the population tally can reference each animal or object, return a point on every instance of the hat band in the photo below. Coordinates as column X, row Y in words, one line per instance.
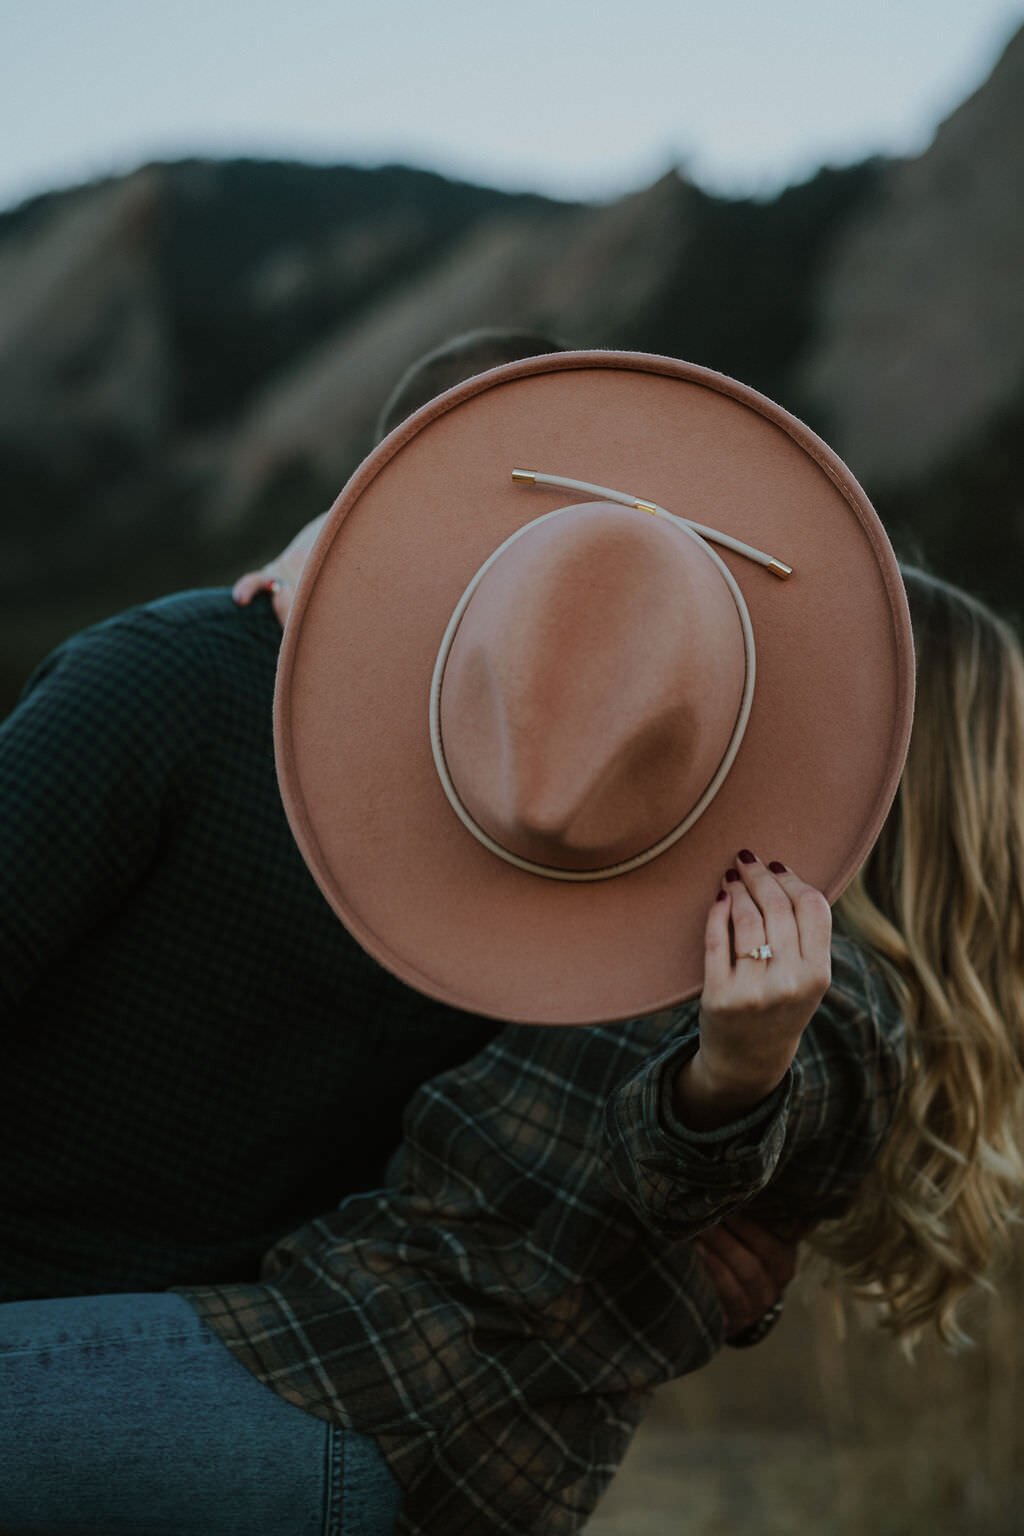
column 777, row 567
column 624, row 866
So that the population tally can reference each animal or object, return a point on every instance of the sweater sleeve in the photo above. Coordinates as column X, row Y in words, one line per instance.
column 799, row 1154
column 91, row 761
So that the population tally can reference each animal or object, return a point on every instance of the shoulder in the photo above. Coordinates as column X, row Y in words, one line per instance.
column 185, row 625
column 161, row 682
column 186, row 644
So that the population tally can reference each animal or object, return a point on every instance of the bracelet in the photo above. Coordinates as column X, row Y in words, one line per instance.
column 754, row 1332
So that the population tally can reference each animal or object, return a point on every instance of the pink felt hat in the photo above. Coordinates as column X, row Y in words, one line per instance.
column 572, row 635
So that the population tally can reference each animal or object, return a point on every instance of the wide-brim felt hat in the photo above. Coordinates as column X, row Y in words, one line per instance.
column 524, row 722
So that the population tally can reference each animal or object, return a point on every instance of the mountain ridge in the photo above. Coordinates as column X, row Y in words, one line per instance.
column 192, row 356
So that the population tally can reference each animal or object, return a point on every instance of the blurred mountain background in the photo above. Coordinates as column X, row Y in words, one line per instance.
column 192, row 356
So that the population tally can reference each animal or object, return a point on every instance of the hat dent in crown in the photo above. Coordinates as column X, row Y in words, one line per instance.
column 592, row 687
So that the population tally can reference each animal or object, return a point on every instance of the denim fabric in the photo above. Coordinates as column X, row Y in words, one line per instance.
column 124, row 1416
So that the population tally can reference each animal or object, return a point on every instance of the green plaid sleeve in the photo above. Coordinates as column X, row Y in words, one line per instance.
column 678, row 1180
column 804, row 1148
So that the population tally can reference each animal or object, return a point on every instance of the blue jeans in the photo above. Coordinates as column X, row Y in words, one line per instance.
column 126, row 1416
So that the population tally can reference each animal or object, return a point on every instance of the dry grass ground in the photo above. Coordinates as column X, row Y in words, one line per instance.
column 812, row 1435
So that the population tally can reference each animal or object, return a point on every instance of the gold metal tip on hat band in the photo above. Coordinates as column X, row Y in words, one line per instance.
column 777, row 567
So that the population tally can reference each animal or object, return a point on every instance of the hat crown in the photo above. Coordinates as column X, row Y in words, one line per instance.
column 592, row 687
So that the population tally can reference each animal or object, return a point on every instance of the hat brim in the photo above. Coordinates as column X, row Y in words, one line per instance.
column 823, row 749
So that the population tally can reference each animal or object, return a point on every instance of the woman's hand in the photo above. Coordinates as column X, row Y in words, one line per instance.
column 750, row 1266
column 279, row 577
column 766, row 969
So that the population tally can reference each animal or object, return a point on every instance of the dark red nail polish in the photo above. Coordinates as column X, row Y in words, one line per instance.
column 722, row 896
column 732, row 874
column 777, row 868
column 746, row 856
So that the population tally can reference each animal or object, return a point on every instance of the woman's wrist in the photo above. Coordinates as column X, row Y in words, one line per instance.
column 704, row 1099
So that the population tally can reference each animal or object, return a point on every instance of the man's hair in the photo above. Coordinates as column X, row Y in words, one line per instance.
column 465, row 355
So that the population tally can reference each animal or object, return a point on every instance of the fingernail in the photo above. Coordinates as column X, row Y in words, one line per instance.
column 732, row 874
column 722, row 896
column 777, row 868
column 746, row 857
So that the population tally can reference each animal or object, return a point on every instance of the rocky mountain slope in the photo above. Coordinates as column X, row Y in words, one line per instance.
column 192, row 357
column 921, row 341
column 916, row 373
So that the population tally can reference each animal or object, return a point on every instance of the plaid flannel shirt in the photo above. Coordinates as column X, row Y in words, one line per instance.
column 499, row 1315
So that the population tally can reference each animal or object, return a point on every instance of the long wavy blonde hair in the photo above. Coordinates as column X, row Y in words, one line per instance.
column 941, row 900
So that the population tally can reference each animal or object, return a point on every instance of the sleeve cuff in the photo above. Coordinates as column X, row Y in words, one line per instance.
column 681, row 1180
column 731, row 1138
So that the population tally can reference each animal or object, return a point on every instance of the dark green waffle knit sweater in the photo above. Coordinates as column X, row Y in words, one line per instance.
column 197, row 1055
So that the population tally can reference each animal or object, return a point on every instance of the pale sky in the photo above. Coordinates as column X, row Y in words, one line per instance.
column 577, row 98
